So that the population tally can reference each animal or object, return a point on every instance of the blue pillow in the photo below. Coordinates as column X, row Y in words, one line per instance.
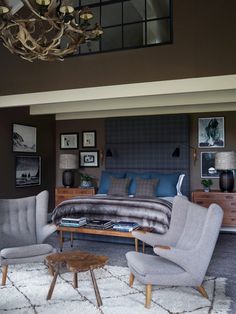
column 167, row 183
column 133, row 176
column 105, row 180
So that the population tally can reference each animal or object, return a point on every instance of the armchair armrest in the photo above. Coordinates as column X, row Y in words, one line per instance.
column 45, row 232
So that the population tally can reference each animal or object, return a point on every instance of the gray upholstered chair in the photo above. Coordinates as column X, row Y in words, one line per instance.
column 23, row 228
column 171, row 237
column 185, row 263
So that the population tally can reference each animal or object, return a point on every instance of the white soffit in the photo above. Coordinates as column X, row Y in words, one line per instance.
column 188, row 95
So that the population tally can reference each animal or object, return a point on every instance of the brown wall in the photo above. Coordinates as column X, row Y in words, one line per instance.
column 204, row 45
column 45, row 148
column 77, row 126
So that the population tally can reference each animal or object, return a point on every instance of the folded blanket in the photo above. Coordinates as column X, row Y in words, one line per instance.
column 153, row 212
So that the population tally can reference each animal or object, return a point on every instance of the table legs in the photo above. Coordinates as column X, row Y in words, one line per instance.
column 75, row 280
column 61, row 240
column 50, row 291
column 95, row 286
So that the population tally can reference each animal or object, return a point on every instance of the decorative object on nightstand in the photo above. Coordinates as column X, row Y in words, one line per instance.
column 207, row 183
column 226, row 162
column 68, row 162
column 85, row 180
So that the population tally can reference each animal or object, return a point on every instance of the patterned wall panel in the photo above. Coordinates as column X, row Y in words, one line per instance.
column 147, row 143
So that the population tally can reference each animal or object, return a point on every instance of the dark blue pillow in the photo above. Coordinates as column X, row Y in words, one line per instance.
column 167, row 183
column 133, row 176
column 105, row 180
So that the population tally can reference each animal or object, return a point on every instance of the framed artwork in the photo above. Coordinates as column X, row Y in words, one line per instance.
column 208, row 165
column 89, row 139
column 69, row 141
column 89, row 159
column 28, row 171
column 23, row 138
column 211, row 132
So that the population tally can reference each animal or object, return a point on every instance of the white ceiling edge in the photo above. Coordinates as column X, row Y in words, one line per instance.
column 216, row 107
column 158, row 88
column 181, row 99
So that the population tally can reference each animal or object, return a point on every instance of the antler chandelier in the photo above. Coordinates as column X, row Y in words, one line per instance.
column 45, row 29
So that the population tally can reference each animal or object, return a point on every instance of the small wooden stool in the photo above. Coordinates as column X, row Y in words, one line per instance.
column 76, row 262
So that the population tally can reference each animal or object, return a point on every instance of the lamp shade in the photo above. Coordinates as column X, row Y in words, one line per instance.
column 68, row 161
column 225, row 161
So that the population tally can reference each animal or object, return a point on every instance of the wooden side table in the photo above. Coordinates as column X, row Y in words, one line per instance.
column 227, row 201
column 62, row 194
column 75, row 262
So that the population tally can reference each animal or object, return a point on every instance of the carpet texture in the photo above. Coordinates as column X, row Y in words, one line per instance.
column 27, row 287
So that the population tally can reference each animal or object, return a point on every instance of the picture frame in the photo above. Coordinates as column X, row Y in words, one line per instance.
column 69, row 141
column 89, row 158
column 208, row 165
column 24, row 138
column 89, row 139
column 211, row 132
column 28, row 171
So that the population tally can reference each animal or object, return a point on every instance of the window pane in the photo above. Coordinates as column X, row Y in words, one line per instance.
column 134, row 35
column 111, row 14
column 156, row 9
column 112, row 38
column 92, row 46
column 134, row 11
column 158, row 32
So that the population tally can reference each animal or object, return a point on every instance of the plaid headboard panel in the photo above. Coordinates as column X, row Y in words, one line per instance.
column 147, row 143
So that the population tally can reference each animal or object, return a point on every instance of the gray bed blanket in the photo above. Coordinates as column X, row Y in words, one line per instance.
column 153, row 212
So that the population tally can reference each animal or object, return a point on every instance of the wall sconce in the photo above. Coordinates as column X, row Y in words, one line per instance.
column 109, row 153
column 176, row 152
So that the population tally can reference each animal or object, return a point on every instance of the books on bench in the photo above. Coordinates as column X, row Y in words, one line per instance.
column 73, row 222
column 99, row 224
column 125, row 226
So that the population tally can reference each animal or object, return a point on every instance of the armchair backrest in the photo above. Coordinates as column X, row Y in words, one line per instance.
column 18, row 220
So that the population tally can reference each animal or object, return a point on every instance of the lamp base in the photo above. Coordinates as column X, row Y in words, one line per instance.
column 226, row 181
column 68, row 179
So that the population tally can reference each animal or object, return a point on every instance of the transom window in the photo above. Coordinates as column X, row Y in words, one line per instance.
column 129, row 23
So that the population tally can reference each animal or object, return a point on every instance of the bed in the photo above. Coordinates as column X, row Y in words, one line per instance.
column 145, row 198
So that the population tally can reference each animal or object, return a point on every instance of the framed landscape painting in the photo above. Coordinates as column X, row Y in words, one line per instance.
column 28, row 171
column 211, row 132
column 24, row 138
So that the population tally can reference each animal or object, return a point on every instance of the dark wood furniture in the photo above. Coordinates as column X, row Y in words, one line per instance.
column 106, row 232
column 226, row 200
column 76, row 262
column 62, row 194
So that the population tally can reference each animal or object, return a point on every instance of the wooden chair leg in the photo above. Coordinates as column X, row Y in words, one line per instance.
column 148, row 296
column 203, row 292
column 131, row 280
column 4, row 274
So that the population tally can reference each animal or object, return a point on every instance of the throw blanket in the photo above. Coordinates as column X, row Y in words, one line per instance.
column 147, row 212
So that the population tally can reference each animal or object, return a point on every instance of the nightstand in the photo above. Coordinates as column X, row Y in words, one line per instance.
column 62, row 194
column 227, row 201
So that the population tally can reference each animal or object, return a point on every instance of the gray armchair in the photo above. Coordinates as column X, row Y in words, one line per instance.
column 23, row 228
column 186, row 262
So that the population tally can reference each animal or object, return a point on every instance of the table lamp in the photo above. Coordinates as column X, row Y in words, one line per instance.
column 226, row 162
column 68, row 162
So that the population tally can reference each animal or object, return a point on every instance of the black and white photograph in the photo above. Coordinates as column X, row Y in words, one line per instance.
column 89, row 159
column 211, row 132
column 208, row 165
column 69, row 141
column 28, row 171
column 88, row 139
column 24, row 138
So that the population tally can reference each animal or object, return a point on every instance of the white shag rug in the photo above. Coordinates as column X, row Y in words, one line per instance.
column 27, row 287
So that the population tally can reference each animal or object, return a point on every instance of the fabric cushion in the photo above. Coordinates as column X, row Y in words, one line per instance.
column 146, row 187
column 105, row 180
column 167, row 183
column 133, row 176
column 26, row 251
column 119, row 186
